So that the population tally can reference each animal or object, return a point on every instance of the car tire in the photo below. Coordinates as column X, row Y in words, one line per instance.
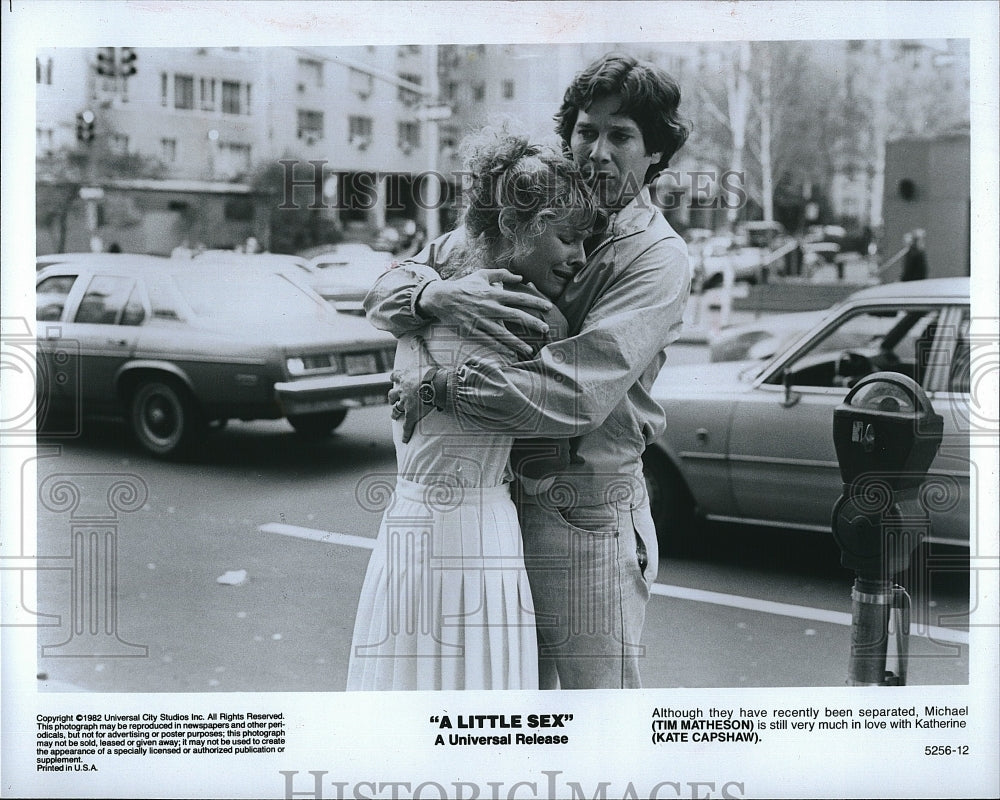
column 671, row 504
column 165, row 418
column 317, row 425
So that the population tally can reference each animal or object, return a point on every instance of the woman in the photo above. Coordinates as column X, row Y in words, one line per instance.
column 445, row 602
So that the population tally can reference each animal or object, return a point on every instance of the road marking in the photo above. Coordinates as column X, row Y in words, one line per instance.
column 314, row 535
column 800, row 612
column 663, row 589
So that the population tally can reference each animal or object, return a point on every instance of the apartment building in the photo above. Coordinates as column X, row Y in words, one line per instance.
column 210, row 117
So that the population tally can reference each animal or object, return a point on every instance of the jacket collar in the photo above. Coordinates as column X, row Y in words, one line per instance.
column 634, row 216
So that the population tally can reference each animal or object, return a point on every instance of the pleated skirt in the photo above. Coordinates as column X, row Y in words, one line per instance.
column 445, row 603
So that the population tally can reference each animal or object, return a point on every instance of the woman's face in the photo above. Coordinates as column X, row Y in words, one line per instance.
column 552, row 259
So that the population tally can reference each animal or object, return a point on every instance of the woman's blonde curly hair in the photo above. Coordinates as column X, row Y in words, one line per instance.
column 517, row 188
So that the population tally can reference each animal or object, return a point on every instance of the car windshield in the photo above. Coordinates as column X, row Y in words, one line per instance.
column 868, row 340
column 235, row 296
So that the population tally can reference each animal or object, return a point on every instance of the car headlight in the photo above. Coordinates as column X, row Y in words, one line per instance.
column 313, row 364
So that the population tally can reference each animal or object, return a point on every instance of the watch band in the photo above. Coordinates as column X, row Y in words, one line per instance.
column 440, row 383
column 433, row 389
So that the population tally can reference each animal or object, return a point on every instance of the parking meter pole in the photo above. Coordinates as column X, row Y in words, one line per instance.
column 878, row 608
column 886, row 434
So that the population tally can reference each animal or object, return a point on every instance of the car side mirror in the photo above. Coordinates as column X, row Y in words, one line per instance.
column 791, row 398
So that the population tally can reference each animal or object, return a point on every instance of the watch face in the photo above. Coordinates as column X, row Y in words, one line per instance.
column 426, row 393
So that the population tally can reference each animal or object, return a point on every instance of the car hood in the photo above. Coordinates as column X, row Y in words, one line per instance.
column 701, row 379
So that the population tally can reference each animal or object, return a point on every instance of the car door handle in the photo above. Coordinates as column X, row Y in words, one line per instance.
column 118, row 342
column 701, row 435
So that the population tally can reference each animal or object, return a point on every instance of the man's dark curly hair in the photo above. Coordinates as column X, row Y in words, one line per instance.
column 649, row 96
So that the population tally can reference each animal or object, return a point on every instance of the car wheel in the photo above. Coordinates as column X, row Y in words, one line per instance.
column 671, row 504
column 317, row 425
column 165, row 418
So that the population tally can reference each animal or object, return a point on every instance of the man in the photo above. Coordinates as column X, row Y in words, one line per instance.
column 589, row 541
column 915, row 260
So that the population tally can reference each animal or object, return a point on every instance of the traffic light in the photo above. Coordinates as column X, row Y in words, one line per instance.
column 85, row 126
column 127, row 62
column 106, row 62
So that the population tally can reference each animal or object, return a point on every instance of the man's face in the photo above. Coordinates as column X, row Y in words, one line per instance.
column 610, row 150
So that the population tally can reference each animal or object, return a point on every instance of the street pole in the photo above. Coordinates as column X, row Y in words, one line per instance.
column 432, row 185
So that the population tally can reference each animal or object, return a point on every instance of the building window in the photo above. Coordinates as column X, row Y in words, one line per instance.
column 248, row 104
column 234, row 159
column 44, row 139
column 361, row 83
column 43, row 71
column 239, row 209
column 408, row 136
column 183, row 91
column 310, row 72
column 359, row 131
column 118, row 143
column 508, row 90
column 164, row 89
column 449, row 137
column 451, row 89
column 207, row 86
column 310, row 124
column 168, row 150
column 408, row 96
column 479, row 92
column 231, row 97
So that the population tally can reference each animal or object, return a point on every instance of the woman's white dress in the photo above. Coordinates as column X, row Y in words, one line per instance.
column 445, row 602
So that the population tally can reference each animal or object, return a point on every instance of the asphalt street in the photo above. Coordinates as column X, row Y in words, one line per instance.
column 241, row 573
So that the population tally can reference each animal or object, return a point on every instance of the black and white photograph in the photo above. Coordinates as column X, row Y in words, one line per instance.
column 500, row 400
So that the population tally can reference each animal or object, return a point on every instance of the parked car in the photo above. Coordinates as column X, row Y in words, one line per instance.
column 348, row 271
column 751, row 441
column 763, row 234
column 718, row 254
column 175, row 345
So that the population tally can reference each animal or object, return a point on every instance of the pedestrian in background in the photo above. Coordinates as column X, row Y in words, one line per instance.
column 915, row 260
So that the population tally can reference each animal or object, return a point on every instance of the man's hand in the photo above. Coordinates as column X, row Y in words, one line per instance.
column 479, row 304
column 405, row 401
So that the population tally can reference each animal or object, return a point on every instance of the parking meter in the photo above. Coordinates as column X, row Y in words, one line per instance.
column 886, row 435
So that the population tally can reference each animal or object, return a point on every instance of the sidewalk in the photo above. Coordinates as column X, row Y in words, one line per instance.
column 704, row 316
column 706, row 313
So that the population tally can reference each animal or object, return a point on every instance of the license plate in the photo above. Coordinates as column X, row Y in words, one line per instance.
column 363, row 364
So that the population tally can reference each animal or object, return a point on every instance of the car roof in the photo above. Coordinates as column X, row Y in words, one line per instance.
column 761, row 224
column 90, row 259
column 250, row 258
column 155, row 265
column 929, row 289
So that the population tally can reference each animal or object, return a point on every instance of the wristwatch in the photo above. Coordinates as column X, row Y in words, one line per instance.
column 433, row 388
